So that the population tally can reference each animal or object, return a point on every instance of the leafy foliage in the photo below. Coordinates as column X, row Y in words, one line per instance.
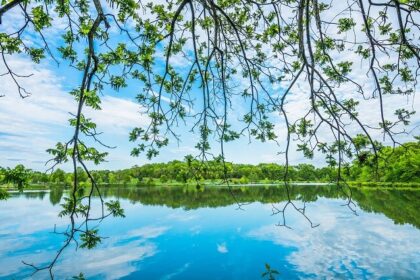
column 18, row 176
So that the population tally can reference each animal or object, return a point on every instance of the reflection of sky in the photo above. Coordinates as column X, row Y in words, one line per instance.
column 345, row 246
column 155, row 242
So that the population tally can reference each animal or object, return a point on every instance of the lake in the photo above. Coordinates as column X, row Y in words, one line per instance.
column 184, row 233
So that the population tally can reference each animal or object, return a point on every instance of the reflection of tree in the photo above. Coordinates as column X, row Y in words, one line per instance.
column 399, row 205
column 40, row 195
column 269, row 273
column 55, row 195
column 191, row 198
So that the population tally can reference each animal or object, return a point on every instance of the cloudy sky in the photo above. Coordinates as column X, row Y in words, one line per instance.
column 30, row 126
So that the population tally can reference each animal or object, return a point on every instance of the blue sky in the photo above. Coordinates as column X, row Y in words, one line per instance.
column 30, row 126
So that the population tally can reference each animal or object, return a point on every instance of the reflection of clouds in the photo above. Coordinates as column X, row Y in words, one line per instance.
column 348, row 246
column 111, row 261
column 25, row 234
column 177, row 272
column 13, row 264
column 184, row 216
column 9, row 245
column 195, row 230
column 23, row 221
column 222, row 248
column 148, row 232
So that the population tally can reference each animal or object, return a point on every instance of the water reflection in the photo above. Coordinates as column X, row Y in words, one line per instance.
column 399, row 205
column 186, row 233
column 344, row 248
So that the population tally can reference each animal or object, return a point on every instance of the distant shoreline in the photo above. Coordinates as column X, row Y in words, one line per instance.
column 380, row 185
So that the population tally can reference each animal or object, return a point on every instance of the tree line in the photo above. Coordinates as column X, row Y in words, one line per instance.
column 400, row 164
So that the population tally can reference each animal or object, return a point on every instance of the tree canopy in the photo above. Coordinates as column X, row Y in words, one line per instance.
column 18, row 176
column 399, row 165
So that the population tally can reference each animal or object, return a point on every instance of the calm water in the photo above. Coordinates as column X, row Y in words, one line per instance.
column 187, row 234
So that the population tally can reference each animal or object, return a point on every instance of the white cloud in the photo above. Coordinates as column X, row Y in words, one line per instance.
column 30, row 126
column 118, row 115
column 183, row 150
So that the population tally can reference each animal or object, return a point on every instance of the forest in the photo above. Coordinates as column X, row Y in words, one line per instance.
column 398, row 165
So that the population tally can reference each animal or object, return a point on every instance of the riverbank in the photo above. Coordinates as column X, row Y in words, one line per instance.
column 198, row 185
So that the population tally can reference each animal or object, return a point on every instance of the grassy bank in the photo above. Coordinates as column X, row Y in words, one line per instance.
column 218, row 183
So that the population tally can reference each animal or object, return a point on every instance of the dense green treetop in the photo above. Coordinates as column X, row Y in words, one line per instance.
column 401, row 164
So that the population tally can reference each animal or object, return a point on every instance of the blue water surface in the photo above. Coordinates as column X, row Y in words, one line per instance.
column 165, row 242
